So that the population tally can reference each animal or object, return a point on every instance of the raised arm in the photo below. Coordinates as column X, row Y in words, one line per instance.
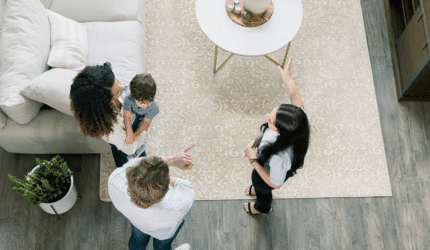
column 295, row 97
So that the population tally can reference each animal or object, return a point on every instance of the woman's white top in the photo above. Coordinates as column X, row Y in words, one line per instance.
column 280, row 162
column 162, row 219
column 119, row 134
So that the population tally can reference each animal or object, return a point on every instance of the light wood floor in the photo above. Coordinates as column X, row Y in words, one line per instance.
column 398, row 222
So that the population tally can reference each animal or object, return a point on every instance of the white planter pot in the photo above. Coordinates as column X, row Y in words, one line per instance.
column 63, row 205
column 256, row 6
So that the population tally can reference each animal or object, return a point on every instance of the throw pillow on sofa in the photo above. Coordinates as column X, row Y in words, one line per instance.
column 24, row 50
column 52, row 88
column 69, row 43
column 121, row 44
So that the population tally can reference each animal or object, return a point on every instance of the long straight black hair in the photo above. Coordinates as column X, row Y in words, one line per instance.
column 294, row 130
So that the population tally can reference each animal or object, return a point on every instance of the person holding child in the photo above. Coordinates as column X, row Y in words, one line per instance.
column 103, row 108
column 280, row 150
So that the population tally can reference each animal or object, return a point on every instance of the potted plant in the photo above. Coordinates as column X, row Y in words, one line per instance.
column 49, row 184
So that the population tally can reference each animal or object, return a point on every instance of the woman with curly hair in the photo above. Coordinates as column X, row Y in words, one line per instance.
column 96, row 102
column 280, row 150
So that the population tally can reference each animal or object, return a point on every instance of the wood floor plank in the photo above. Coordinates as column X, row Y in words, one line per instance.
column 327, row 223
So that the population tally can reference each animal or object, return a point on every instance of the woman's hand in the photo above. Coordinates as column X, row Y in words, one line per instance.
column 286, row 73
column 250, row 152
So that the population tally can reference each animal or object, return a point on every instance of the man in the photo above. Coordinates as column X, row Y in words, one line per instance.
column 153, row 202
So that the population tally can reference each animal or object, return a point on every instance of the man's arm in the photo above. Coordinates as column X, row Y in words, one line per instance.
column 180, row 160
column 184, row 195
column 129, row 129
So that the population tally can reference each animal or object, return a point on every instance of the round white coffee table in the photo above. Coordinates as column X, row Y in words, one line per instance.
column 249, row 41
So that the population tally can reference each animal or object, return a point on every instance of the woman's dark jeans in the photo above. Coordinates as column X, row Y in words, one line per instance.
column 263, row 192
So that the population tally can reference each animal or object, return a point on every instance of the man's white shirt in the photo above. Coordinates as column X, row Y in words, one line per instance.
column 162, row 219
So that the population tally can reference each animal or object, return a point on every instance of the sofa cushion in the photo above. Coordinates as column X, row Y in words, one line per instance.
column 98, row 10
column 25, row 44
column 52, row 88
column 120, row 43
column 69, row 43
column 50, row 132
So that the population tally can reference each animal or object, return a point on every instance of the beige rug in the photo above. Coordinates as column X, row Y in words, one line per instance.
column 221, row 113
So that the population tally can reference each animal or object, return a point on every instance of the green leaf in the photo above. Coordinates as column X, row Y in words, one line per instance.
column 38, row 161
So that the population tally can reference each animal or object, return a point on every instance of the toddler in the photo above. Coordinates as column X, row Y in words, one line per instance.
column 139, row 99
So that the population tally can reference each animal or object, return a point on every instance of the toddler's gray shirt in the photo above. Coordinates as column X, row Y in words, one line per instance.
column 130, row 105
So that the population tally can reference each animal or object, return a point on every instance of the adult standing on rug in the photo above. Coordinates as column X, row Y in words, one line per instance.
column 97, row 101
column 280, row 150
column 154, row 202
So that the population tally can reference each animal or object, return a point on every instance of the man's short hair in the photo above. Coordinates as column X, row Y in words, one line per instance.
column 143, row 88
column 149, row 181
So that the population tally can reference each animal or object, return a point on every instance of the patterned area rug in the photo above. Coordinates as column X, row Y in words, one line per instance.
column 222, row 112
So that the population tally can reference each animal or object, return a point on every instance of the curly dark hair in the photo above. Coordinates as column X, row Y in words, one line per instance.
column 143, row 88
column 91, row 100
column 148, row 182
column 294, row 130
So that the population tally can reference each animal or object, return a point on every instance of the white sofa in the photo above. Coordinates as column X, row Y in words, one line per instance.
column 115, row 32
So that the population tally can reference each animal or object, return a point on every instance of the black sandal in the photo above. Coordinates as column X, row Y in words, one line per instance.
column 249, row 209
column 250, row 191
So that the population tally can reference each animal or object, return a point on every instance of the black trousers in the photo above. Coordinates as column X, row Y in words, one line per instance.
column 263, row 192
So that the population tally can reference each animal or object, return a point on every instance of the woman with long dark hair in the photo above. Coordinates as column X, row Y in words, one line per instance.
column 96, row 100
column 280, row 150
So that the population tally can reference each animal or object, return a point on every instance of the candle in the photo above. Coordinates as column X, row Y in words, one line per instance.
column 230, row 7
column 237, row 9
column 236, row 2
column 256, row 6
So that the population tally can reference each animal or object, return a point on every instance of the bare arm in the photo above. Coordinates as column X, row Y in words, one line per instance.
column 144, row 125
column 295, row 97
column 251, row 153
column 180, row 160
column 129, row 130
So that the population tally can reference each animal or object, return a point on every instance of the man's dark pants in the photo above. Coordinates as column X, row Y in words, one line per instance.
column 139, row 240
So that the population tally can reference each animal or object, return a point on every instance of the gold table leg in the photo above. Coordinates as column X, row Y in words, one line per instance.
column 285, row 57
column 216, row 56
column 228, row 57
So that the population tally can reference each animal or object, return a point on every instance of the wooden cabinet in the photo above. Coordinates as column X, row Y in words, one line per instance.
column 408, row 27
